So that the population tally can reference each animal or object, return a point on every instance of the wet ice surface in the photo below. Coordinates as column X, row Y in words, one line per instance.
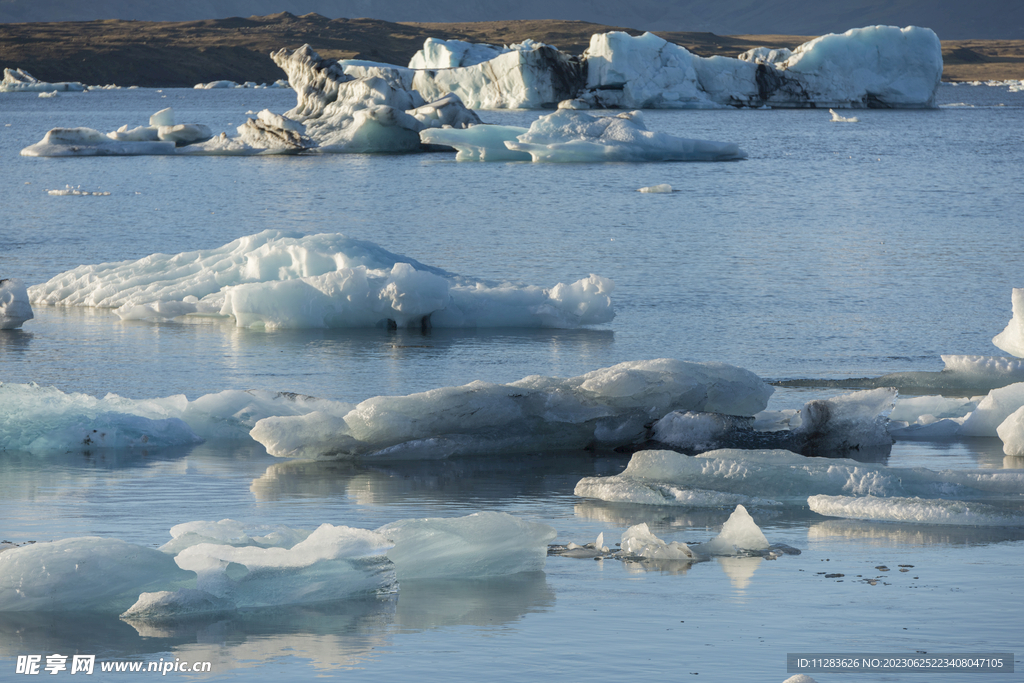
column 829, row 279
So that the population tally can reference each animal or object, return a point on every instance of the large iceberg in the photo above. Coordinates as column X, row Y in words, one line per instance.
column 360, row 107
column 15, row 307
column 878, row 66
column 531, row 75
column 567, row 136
column 607, row 408
column 448, row 54
column 663, row 477
column 19, row 80
column 278, row 279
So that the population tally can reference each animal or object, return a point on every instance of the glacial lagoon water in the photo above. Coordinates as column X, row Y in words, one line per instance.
column 835, row 250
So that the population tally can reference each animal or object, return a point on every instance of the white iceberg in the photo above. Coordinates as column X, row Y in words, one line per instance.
column 878, row 66
column 83, row 574
column 788, row 477
column 448, row 54
column 15, row 308
column 530, row 75
column 992, row 410
column 567, row 135
column 915, row 511
column 60, row 142
column 278, row 279
column 1011, row 339
column 477, row 546
column 639, row 541
column 739, row 533
column 607, row 407
column 19, row 80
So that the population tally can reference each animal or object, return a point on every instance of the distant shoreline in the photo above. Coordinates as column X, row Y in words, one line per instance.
column 182, row 54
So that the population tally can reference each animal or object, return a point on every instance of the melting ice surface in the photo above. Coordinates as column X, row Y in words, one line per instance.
column 278, row 279
column 778, row 476
column 226, row 565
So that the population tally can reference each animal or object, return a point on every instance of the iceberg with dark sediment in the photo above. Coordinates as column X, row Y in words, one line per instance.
column 358, row 107
column 916, row 511
column 664, row 477
column 824, row 427
column 572, row 136
column 278, row 279
column 19, row 80
column 878, row 66
column 530, row 75
column 15, row 307
column 604, row 408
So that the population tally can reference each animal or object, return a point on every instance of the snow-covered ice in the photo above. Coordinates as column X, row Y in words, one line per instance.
column 567, row 135
column 607, row 407
column 15, row 307
column 915, row 511
column 653, row 476
column 278, row 279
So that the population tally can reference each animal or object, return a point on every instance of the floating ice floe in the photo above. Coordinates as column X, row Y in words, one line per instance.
column 358, row 107
column 277, row 279
column 607, row 407
column 15, row 308
column 835, row 426
column 567, row 136
column 19, row 80
column 223, row 566
column 664, row 477
column 76, row 191
column 915, row 511
column 267, row 134
column 663, row 188
column 1011, row 339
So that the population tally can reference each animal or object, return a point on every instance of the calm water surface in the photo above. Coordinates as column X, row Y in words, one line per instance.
column 835, row 250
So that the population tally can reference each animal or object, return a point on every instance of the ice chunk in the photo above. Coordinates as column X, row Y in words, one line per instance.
column 89, row 142
column 19, row 80
column 638, row 540
column 172, row 605
column 43, row 419
column 626, row 490
column 477, row 546
column 478, row 143
column 567, row 135
column 1011, row 339
column 664, row 188
column 915, row 510
column 15, row 308
column 1011, row 431
column 286, row 280
column 839, row 118
column 800, row 678
column 331, row 563
column 184, row 133
column 83, row 574
column 993, row 410
column 164, row 117
column 534, row 76
column 696, row 431
column 607, row 407
column 788, row 477
column 232, row 533
column 447, row 54
column 739, row 532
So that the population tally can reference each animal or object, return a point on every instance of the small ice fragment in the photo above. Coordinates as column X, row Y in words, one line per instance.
column 664, row 188
column 164, row 117
column 739, row 532
column 638, row 540
column 837, row 118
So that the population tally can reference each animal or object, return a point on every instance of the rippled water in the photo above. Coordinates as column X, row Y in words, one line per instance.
column 834, row 250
